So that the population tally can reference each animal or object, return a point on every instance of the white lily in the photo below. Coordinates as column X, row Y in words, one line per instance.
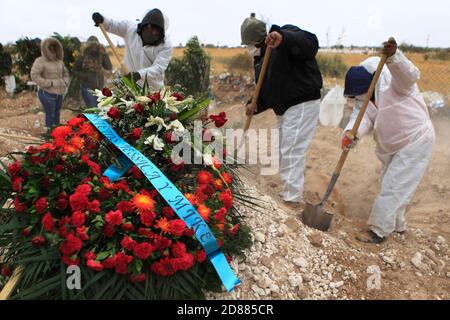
column 152, row 121
column 172, row 104
column 156, row 142
column 177, row 126
column 144, row 99
column 128, row 104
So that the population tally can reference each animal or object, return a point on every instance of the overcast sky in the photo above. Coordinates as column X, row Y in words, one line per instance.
column 356, row 22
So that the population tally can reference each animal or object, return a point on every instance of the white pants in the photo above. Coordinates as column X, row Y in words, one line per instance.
column 297, row 127
column 402, row 173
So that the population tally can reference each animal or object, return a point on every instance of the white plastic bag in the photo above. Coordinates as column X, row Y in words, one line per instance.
column 332, row 108
column 10, row 84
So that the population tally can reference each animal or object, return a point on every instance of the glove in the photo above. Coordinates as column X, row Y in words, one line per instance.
column 98, row 18
column 390, row 47
column 134, row 76
column 348, row 141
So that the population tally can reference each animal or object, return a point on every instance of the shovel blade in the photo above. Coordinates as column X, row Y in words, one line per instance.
column 316, row 217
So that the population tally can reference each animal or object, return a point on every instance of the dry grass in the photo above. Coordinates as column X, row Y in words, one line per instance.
column 435, row 73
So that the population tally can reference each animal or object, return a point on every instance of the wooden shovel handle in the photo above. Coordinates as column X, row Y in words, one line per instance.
column 362, row 112
column 113, row 47
column 259, row 85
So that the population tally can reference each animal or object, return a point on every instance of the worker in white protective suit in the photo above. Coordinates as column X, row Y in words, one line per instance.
column 147, row 50
column 399, row 119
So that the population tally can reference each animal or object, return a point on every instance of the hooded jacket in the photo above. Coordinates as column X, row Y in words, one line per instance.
column 150, row 61
column 91, row 69
column 50, row 73
column 293, row 75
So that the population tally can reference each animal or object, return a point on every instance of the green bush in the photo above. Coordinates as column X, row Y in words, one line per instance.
column 26, row 51
column 191, row 72
column 241, row 62
column 332, row 65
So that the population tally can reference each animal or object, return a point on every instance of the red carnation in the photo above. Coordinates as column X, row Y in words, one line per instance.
column 184, row 263
column 234, row 229
column 17, row 184
column 82, row 233
column 106, row 92
column 220, row 119
column 128, row 243
column 125, row 207
column 122, row 258
column 177, row 227
column 147, row 218
column 41, row 205
column 26, row 232
column 164, row 268
column 168, row 212
column 178, row 249
column 71, row 261
column 109, row 231
column 38, row 241
column 200, row 256
column 20, row 207
column 227, row 198
column 127, row 227
column 94, row 206
column 94, row 265
column 139, row 278
column 143, row 251
column 104, row 195
column 75, row 122
column 71, row 245
column 122, row 269
column 114, row 218
column 89, row 255
column 48, row 222
column 14, row 169
column 79, row 201
column 139, row 108
column 114, row 113
column 170, row 137
column 61, row 133
column 189, row 233
column 220, row 215
column 155, row 97
column 110, row 263
column 136, row 134
column 78, row 219
column 228, row 178
column 84, row 189
column 204, row 177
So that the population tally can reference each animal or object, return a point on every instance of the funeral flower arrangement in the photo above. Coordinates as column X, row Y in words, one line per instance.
column 60, row 210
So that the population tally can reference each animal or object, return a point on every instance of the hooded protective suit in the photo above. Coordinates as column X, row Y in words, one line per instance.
column 150, row 61
column 405, row 137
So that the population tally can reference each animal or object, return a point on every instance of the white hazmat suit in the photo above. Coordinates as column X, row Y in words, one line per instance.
column 150, row 61
column 405, row 137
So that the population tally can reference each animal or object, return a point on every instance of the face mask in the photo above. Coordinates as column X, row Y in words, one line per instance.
column 149, row 38
column 254, row 51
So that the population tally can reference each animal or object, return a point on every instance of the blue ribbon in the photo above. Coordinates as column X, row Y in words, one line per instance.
column 175, row 199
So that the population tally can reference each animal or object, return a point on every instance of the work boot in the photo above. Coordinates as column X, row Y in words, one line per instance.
column 371, row 238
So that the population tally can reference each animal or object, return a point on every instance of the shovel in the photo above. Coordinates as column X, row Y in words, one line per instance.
column 316, row 216
column 123, row 69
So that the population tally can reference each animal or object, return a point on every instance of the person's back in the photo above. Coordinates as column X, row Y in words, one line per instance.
column 402, row 116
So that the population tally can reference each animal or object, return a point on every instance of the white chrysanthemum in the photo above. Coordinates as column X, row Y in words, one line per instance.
column 152, row 121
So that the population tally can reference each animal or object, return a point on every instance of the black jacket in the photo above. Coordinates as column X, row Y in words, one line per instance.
column 293, row 75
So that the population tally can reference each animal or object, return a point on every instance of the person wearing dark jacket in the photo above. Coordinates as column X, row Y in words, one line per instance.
column 292, row 89
column 91, row 68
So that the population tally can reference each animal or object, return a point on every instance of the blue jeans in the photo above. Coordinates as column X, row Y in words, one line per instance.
column 52, row 106
column 89, row 99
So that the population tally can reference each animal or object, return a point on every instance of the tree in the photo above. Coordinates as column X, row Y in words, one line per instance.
column 191, row 72
column 26, row 51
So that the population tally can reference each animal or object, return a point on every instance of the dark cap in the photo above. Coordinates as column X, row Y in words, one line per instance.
column 357, row 81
